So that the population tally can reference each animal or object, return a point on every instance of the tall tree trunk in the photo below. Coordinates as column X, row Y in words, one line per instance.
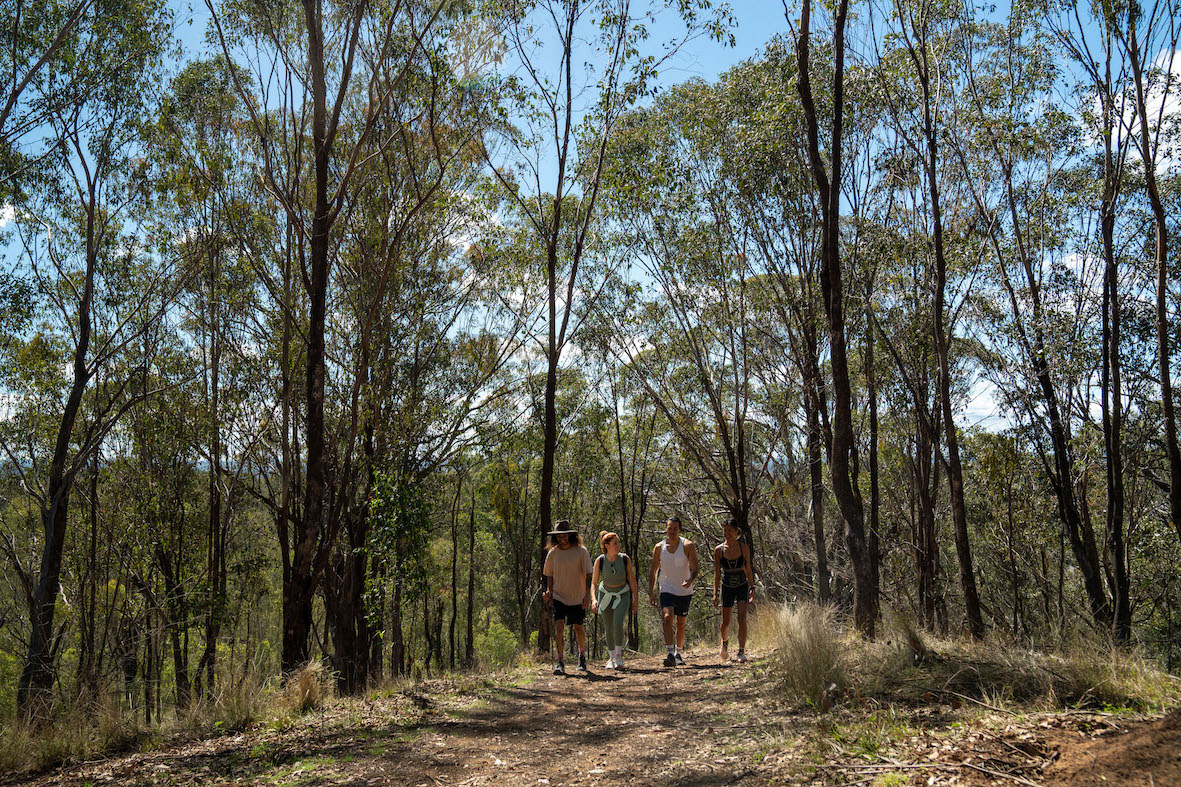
column 926, row 481
column 469, row 651
column 816, row 477
column 848, row 497
column 397, row 643
column 33, row 695
column 297, row 600
column 1123, row 612
column 942, row 335
column 454, row 574
column 216, row 550
column 875, row 544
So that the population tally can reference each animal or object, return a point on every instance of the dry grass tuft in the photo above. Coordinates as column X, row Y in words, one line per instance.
column 808, row 665
column 308, row 687
column 818, row 660
column 93, row 728
column 911, row 666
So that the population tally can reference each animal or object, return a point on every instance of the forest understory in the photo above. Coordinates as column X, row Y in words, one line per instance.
column 710, row 722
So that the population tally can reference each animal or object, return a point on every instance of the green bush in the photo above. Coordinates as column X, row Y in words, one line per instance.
column 497, row 646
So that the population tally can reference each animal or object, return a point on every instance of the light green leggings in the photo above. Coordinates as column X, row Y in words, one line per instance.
column 615, row 617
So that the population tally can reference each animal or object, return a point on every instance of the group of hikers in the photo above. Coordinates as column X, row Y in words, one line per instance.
column 607, row 586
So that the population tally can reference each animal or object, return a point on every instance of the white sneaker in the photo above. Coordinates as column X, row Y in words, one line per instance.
column 610, row 663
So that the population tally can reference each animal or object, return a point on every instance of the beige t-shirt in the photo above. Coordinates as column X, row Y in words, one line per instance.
column 569, row 568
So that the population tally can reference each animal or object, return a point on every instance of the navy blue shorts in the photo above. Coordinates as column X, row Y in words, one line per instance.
column 738, row 594
column 573, row 614
column 680, row 604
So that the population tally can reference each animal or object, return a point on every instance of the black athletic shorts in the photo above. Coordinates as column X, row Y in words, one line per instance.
column 573, row 614
column 680, row 604
column 731, row 595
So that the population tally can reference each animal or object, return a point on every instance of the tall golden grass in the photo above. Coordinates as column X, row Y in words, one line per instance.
column 818, row 659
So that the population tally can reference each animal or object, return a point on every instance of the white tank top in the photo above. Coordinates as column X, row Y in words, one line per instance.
column 674, row 569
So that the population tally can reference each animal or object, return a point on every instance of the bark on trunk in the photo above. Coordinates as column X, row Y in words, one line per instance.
column 848, row 497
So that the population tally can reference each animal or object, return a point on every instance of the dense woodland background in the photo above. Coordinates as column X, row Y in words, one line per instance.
column 306, row 343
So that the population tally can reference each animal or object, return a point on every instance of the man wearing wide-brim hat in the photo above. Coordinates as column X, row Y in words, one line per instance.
column 567, row 573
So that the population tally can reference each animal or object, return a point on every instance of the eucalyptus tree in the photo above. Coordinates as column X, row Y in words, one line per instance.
column 321, row 78
column 766, row 172
column 37, row 78
column 547, row 146
column 903, row 309
column 428, row 345
column 206, row 202
column 1026, row 189
column 88, row 255
column 691, row 336
column 927, row 38
column 825, row 165
column 1149, row 34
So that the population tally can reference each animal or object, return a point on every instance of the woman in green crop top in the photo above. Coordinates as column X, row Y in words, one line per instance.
column 613, row 593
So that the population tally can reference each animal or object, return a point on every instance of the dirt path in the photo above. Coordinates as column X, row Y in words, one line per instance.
column 646, row 725
column 708, row 723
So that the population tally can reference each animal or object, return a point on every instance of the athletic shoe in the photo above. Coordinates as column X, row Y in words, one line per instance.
column 725, row 651
column 670, row 660
column 741, row 658
column 582, row 662
column 559, row 668
column 610, row 663
column 680, row 660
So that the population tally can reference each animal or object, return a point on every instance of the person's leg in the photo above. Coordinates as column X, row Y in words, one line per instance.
column 681, row 620
column 618, row 621
column 580, row 636
column 559, row 625
column 742, row 609
column 726, row 611
column 608, row 618
column 669, row 634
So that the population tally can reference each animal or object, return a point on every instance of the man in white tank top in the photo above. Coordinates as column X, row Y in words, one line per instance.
column 675, row 559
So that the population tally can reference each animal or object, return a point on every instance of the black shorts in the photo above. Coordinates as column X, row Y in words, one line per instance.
column 573, row 614
column 680, row 604
column 738, row 594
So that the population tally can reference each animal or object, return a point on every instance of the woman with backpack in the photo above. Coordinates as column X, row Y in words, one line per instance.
column 613, row 593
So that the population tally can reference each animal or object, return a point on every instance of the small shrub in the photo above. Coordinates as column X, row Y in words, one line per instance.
column 808, row 664
column 497, row 646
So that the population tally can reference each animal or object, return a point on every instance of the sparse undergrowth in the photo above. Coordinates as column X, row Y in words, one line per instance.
column 244, row 701
column 901, row 698
column 819, row 661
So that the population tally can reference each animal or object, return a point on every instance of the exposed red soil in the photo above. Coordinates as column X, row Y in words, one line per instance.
column 1146, row 754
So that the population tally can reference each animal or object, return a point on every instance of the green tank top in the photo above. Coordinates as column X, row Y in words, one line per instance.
column 613, row 573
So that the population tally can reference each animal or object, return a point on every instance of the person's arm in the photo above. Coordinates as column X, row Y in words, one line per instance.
column 652, row 574
column 594, row 586
column 717, row 570
column 750, row 574
column 547, row 594
column 586, row 597
column 631, row 581
column 691, row 553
